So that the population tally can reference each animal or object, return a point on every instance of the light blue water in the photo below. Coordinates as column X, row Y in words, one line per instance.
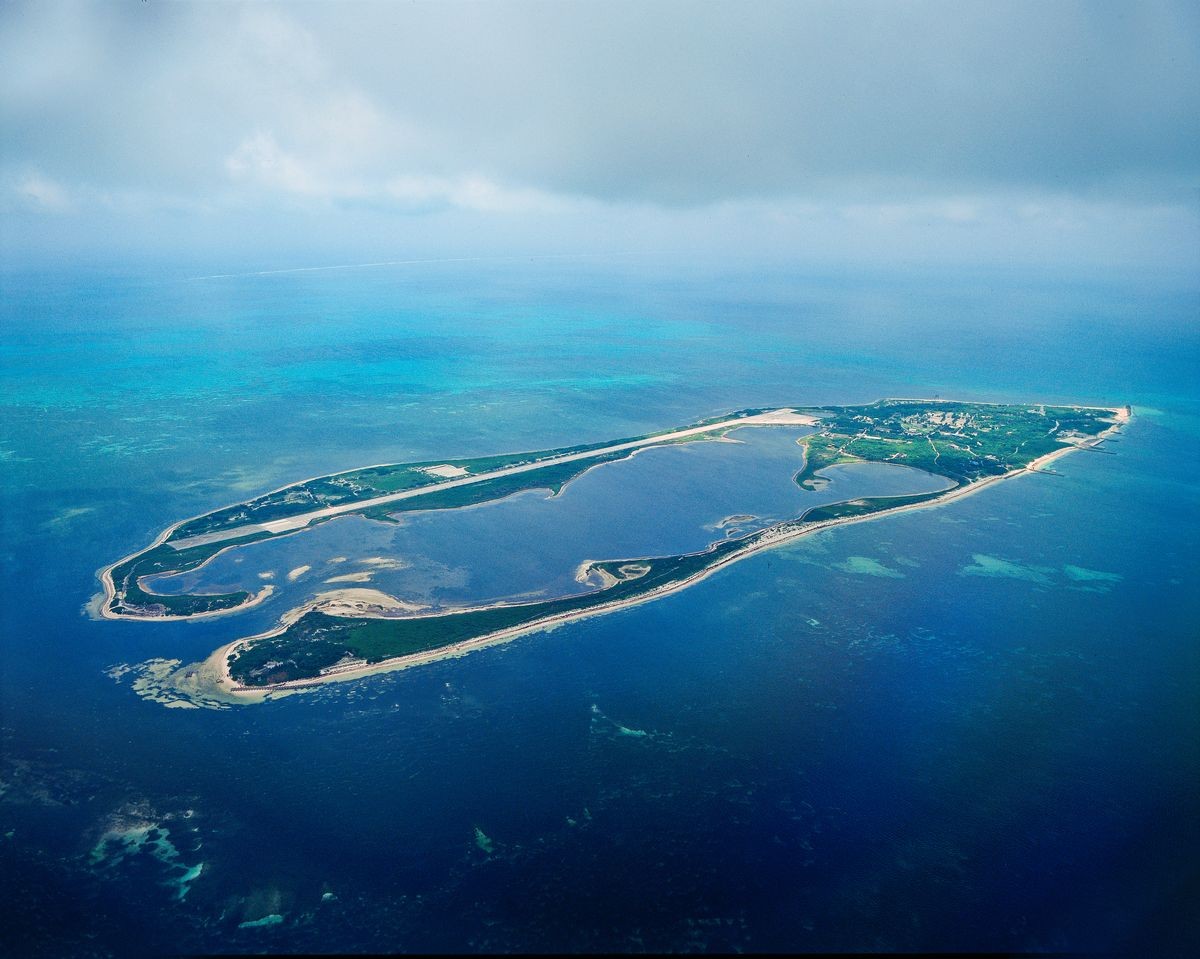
column 967, row 728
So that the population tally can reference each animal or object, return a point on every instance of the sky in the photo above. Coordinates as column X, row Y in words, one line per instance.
column 293, row 134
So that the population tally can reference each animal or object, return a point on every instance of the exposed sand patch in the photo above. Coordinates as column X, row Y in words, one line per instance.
column 358, row 601
column 362, row 577
column 783, row 417
column 590, row 574
column 445, row 470
column 384, row 562
column 266, row 575
column 297, row 573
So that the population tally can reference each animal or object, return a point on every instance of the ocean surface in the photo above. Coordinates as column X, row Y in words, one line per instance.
column 968, row 728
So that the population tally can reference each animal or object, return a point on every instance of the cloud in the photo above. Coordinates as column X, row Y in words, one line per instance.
column 686, row 104
column 663, row 103
column 958, row 210
column 259, row 159
column 470, row 192
column 924, row 120
column 42, row 193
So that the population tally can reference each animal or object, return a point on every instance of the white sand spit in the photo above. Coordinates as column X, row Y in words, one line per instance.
column 363, row 577
column 445, row 470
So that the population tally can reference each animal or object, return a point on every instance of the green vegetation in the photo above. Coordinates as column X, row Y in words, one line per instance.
column 961, row 441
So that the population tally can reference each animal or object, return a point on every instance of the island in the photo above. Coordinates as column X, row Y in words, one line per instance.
column 970, row 444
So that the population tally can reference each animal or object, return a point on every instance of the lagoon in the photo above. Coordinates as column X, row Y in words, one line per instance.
column 661, row 502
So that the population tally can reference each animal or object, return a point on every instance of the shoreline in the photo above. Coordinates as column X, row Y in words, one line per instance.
column 232, row 691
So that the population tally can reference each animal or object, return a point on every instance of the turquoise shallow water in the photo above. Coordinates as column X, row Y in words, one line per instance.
column 966, row 728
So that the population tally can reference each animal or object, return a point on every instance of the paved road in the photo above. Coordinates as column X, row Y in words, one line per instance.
column 784, row 417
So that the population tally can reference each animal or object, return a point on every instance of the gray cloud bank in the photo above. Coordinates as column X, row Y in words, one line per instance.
column 871, row 113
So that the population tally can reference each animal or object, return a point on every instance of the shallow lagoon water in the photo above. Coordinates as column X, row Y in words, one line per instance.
column 796, row 753
column 663, row 501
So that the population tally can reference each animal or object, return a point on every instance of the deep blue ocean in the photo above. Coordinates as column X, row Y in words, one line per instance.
column 969, row 728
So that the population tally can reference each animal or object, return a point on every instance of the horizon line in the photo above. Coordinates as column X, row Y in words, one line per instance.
column 411, row 262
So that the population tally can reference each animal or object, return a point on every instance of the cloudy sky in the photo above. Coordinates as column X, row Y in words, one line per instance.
column 1043, row 132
